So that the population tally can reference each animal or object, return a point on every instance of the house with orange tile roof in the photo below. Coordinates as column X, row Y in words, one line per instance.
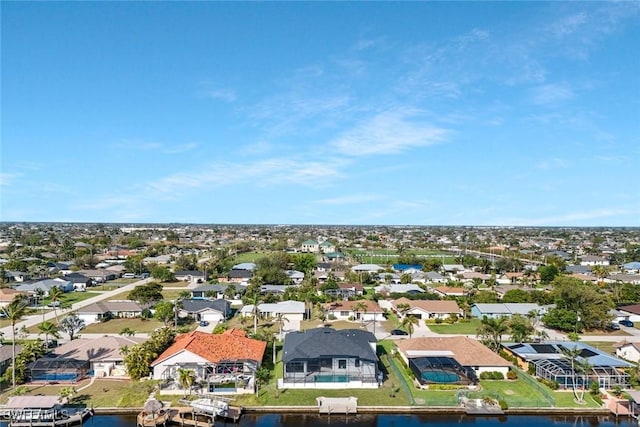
column 221, row 363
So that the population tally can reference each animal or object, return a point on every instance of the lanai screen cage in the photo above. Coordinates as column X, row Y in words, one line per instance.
column 441, row 370
column 58, row 370
column 559, row 370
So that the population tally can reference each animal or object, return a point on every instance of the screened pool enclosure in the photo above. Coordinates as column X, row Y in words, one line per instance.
column 441, row 370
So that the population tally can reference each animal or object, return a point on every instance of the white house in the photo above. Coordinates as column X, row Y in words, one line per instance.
column 628, row 350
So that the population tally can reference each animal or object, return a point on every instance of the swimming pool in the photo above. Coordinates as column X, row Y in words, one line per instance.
column 439, row 376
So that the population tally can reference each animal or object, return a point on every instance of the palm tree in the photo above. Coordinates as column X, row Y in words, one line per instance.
column 186, row 378
column 572, row 354
column 71, row 324
column 55, row 295
column 360, row 307
column 256, row 313
column 491, row 330
column 408, row 322
column 48, row 329
column 403, row 308
column 280, row 319
column 14, row 312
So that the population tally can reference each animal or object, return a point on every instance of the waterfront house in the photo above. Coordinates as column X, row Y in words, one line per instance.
column 551, row 363
column 452, row 360
column 325, row 358
column 224, row 362
column 100, row 356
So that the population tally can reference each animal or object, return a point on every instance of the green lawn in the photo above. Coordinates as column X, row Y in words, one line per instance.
column 114, row 326
column 251, row 256
column 463, row 328
column 566, row 399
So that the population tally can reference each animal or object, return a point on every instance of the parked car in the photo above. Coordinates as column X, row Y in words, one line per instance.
column 627, row 323
column 398, row 332
column 128, row 276
column 204, row 323
column 613, row 326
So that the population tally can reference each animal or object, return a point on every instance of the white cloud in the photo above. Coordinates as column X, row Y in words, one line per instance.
column 388, row 133
column 350, row 199
column 261, row 173
column 568, row 24
column 132, row 144
column 551, row 94
column 553, row 163
column 6, row 179
column 569, row 218
column 226, row 95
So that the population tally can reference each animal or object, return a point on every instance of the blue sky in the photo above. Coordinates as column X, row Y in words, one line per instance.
column 422, row 113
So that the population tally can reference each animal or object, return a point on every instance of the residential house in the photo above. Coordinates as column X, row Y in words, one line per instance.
column 248, row 266
column 446, row 360
column 80, row 281
column 630, row 312
column 628, row 351
column 192, row 276
column 593, row 260
column 101, row 354
column 632, row 267
column 291, row 310
column 429, row 309
column 296, row 276
column 109, row 309
column 348, row 310
column 367, row 268
column 327, row 247
column 237, row 276
column 506, row 309
column 224, row 362
column 7, row 295
column 434, row 277
column 550, row 362
column 45, row 286
column 99, row 276
column 453, row 269
column 310, row 245
column 160, row 259
column 449, row 291
column 217, row 290
column 6, row 355
column 213, row 311
column 409, row 288
column 325, row 358
column 16, row 276
column 345, row 290
column 634, row 279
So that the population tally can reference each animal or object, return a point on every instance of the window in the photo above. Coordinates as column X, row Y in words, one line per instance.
column 357, row 363
column 344, row 314
column 342, row 364
column 295, row 367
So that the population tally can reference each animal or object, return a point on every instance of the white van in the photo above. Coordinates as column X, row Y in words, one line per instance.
column 128, row 276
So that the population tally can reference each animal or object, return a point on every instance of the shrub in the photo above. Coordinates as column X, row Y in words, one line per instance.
column 503, row 403
column 512, row 375
column 438, row 320
column 494, row 375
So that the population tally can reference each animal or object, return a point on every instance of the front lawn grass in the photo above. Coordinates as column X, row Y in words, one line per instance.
column 115, row 326
column 463, row 328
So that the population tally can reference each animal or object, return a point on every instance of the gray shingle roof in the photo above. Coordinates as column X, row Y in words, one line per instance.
column 327, row 342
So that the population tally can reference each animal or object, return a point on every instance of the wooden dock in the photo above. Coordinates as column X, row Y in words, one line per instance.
column 337, row 405
column 185, row 416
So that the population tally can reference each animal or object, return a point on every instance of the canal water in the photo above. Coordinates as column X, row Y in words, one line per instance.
column 390, row 420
